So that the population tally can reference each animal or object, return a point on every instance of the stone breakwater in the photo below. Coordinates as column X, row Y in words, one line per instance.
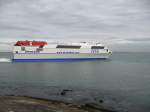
column 30, row 104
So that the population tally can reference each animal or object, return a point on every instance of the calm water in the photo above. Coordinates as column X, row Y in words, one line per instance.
column 123, row 82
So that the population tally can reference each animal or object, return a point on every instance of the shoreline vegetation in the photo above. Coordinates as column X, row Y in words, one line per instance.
column 12, row 103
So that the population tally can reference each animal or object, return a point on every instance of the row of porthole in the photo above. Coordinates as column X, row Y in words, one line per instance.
column 94, row 51
column 67, row 52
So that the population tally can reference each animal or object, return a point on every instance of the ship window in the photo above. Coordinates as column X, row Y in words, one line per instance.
column 23, row 48
column 41, row 46
column 95, row 51
column 39, row 49
column 68, row 46
column 97, row 47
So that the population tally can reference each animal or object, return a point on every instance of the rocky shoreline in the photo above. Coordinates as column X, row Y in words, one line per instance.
column 13, row 103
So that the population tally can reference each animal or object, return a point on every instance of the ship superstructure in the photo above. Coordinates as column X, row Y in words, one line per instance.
column 43, row 51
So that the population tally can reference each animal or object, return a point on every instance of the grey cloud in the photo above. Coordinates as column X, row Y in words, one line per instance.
column 124, row 19
column 139, row 39
column 16, row 28
column 74, row 14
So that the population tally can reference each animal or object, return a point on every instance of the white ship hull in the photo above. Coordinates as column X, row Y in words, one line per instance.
column 53, row 56
column 40, row 51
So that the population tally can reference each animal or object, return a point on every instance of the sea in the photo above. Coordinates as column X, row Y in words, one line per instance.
column 121, row 82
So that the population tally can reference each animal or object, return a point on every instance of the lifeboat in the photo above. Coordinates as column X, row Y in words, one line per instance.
column 30, row 43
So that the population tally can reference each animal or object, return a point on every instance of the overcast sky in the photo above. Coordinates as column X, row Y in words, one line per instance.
column 121, row 23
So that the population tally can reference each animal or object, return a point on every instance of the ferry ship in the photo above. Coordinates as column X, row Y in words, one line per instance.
column 37, row 51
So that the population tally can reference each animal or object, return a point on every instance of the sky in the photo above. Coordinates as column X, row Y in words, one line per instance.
column 123, row 25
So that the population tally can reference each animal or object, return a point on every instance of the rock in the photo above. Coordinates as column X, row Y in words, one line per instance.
column 64, row 91
column 101, row 101
column 98, row 107
column 29, row 104
column 11, row 95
